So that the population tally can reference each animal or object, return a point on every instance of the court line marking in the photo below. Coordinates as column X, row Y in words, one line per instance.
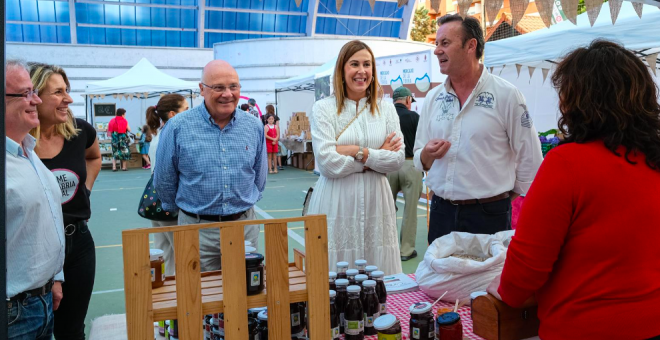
column 115, row 189
column 284, row 210
column 289, row 232
column 108, row 291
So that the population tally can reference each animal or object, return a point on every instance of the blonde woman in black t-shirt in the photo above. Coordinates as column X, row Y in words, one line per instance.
column 69, row 148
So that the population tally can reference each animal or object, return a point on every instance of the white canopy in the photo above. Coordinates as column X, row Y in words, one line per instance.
column 143, row 77
column 306, row 78
column 536, row 49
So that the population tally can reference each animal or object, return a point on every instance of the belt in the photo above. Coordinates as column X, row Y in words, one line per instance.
column 479, row 200
column 43, row 290
column 80, row 226
column 216, row 218
column 409, row 158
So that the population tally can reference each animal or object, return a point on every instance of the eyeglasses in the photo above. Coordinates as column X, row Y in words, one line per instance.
column 223, row 88
column 26, row 94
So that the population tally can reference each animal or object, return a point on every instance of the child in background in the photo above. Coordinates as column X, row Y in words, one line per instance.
column 272, row 137
column 145, row 140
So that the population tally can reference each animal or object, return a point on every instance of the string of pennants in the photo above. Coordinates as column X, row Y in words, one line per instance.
column 130, row 96
column 372, row 3
column 650, row 59
column 518, row 8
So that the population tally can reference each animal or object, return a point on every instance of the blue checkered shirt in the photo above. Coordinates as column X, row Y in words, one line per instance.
column 206, row 170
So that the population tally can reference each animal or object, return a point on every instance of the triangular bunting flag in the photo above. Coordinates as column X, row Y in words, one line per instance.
column 503, row 66
column 146, row 95
column 570, row 9
column 298, row 2
column 615, row 7
column 435, row 5
column 491, row 70
column 651, row 59
column 492, row 9
column 518, row 8
column 545, row 73
column 402, row 3
column 593, row 9
column 162, row 94
column 463, row 7
column 545, row 10
column 114, row 96
column 518, row 67
column 639, row 7
column 372, row 3
column 531, row 72
column 338, row 4
column 102, row 96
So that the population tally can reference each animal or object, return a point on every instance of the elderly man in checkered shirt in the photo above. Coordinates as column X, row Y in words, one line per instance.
column 212, row 162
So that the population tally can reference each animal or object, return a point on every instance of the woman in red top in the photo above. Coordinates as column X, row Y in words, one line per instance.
column 118, row 127
column 586, row 245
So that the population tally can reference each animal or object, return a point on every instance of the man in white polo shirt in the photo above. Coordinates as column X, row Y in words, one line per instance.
column 475, row 138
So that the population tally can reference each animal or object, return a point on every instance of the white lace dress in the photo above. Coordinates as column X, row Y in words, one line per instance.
column 359, row 206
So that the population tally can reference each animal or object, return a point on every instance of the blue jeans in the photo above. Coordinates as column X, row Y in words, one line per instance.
column 31, row 319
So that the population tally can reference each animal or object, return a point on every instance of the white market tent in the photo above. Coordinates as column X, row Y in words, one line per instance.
column 527, row 60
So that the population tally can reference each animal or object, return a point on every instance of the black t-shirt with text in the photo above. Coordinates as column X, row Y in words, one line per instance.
column 70, row 170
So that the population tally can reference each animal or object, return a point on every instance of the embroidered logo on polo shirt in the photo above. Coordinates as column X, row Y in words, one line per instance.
column 446, row 107
column 485, row 99
column 526, row 119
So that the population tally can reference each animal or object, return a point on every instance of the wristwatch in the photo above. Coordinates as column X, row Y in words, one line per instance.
column 359, row 155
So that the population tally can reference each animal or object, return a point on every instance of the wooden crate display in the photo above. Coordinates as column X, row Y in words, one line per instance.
column 492, row 319
column 191, row 294
column 297, row 124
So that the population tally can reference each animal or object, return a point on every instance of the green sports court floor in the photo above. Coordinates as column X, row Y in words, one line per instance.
column 114, row 208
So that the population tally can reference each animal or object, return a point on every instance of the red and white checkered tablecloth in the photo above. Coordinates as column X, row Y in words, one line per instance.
column 399, row 306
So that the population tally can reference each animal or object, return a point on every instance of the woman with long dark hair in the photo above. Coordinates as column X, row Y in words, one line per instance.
column 586, row 241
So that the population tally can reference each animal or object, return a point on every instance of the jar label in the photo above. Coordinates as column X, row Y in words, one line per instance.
column 383, row 308
column 335, row 333
column 153, row 274
column 415, row 333
column 295, row 319
column 369, row 320
column 162, row 270
column 354, row 327
column 255, row 279
column 390, row 336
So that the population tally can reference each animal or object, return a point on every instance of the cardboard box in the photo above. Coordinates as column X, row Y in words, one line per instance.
column 135, row 162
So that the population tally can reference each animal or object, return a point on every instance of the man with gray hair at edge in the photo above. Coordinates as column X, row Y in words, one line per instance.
column 212, row 162
column 35, row 227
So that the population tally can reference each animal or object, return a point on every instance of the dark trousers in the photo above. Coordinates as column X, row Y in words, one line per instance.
column 79, row 272
column 479, row 218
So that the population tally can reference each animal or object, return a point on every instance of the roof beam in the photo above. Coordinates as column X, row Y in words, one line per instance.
column 356, row 17
column 255, row 32
column 126, row 27
column 258, row 11
column 48, row 23
column 134, row 4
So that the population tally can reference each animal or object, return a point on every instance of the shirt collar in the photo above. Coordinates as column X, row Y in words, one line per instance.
column 16, row 150
column 484, row 76
column 207, row 116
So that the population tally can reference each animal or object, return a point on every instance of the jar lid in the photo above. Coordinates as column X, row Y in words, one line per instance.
column 360, row 262
column 332, row 275
column 370, row 269
column 333, row 293
column 386, row 321
column 342, row 264
column 253, row 259
column 361, row 277
column 378, row 273
column 341, row 282
column 354, row 289
column 263, row 315
column 352, row 272
column 420, row 307
column 250, row 249
column 448, row 319
column 477, row 294
column 154, row 254
column 369, row 283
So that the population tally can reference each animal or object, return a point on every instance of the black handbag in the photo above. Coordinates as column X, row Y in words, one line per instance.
column 150, row 205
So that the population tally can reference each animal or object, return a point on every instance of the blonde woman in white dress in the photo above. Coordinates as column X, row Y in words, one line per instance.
column 357, row 140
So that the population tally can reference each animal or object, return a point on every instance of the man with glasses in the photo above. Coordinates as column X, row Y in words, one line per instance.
column 212, row 162
column 35, row 229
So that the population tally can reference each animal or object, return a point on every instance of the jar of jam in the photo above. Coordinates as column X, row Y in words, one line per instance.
column 359, row 278
column 370, row 269
column 448, row 326
column 157, row 268
column 263, row 325
column 354, row 315
column 422, row 325
column 332, row 277
column 361, row 265
column 350, row 275
column 302, row 306
column 340, row 301
column 342, row 267
column 296, row 318
column 174, row 329
column 334, row 315
column 254, row 271
column 371, row 307
column 388, row 327
column 380, row 290
column 254, row 312
column 253, row 332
